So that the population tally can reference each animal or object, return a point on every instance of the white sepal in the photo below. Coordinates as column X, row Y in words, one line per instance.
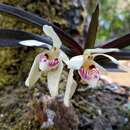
column 33, row 43
column 34, row 73
column 76, row 62
column 123, row 67
column 70, row 88
column 101, row 50
column 109, row 57
column 49, row 31
column 53, row 79
column 120, row 66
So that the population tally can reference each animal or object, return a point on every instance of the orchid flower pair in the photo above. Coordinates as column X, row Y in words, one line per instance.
column 51, row 62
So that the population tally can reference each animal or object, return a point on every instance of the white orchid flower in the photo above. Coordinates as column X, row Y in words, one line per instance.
column 88, row 69
column 50, row 61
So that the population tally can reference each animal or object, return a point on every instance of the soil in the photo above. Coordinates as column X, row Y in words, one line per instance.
column 97, row 109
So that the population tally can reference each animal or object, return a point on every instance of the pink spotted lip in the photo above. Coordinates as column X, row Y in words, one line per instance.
column 84, row 74
column 89, row 74
column 50, row 63
column 53, row 63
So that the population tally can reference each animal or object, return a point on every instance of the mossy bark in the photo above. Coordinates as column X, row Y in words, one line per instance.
column 16, row 62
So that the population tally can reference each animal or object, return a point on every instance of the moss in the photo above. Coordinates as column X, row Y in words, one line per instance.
column 15, row 62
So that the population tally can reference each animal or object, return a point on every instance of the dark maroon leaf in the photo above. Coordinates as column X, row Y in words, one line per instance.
column 111, row 67
column 39, row 22
column 92, row 29
column 121, row 42
column 122, row 55
column 11, row 38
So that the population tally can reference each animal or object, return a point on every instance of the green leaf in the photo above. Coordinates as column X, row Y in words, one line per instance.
column 92, row 29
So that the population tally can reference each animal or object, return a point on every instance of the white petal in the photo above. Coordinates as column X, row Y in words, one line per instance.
column 76, row 62
column 101, row 50
column 70, row 88
column 64, row 57
column 33, row 43
column 34, row 73
column 53, row 79
column 49, row 31
column 120, row 66
column 101, row 69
